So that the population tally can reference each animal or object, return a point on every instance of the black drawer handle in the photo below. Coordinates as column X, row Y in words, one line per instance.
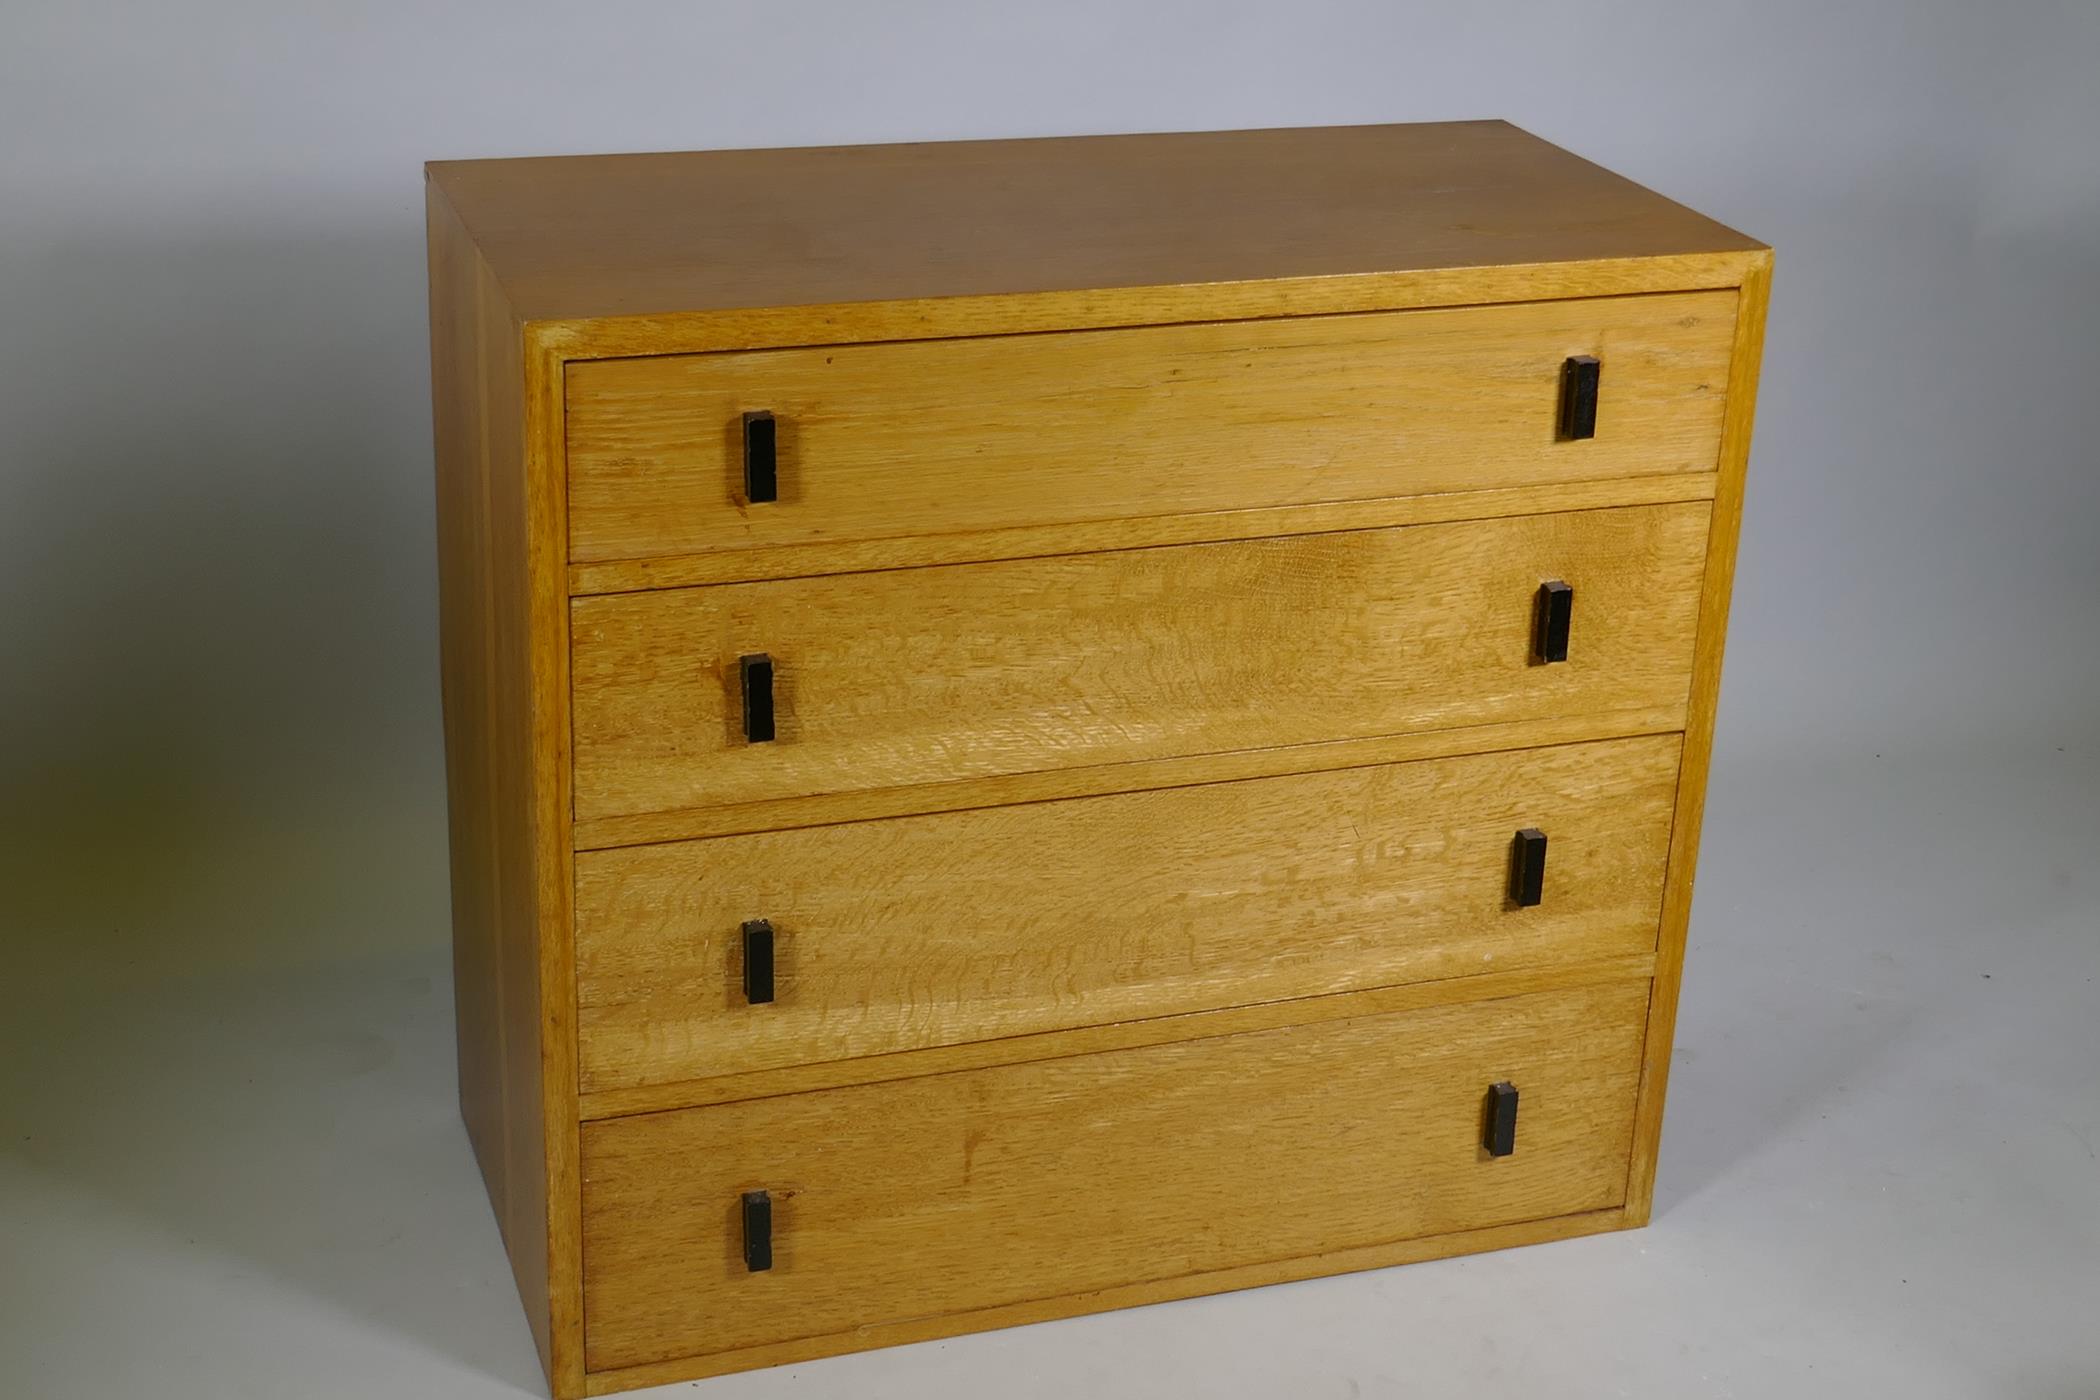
column 1527, row 868
column 1554, row 611
column 1500, row 1139
column 757, row 674
column 1578, row 397
column 758, row 961
column 761, row 470
column 758, row 1231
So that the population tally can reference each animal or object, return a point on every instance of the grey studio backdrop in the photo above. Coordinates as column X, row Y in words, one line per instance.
column 229, row 1161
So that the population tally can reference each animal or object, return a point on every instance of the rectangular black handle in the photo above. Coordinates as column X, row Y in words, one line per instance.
column 757, row 676
column 758, row 961
column 1527, row 868
column 1578, row 397
column 761, row 470
column 1500, row 1139
column 1553, row 612
column 758, row 1231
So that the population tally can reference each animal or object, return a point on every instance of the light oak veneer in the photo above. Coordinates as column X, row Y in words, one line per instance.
column 940, row 436
column 998, row 921
column 1151, row 595
column 989, row 1187
column 1016, row 666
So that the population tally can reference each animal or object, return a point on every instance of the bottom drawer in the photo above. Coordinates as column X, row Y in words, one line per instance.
column 939, row 1195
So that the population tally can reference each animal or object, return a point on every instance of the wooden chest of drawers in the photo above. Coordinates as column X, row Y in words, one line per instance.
column 1038, row 726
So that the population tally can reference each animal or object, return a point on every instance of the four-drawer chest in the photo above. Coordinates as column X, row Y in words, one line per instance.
column 1038, row 726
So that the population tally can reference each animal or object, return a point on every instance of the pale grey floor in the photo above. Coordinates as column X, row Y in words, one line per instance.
column 1879, row 1176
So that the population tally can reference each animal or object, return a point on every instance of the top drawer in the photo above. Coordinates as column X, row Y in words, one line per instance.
column 930, row 437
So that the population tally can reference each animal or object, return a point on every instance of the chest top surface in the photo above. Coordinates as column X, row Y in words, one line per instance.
column 578, row 237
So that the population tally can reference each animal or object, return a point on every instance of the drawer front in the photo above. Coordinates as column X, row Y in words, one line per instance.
column 928, row 437
column 933, row 930
column 933, row 1196
column 927, row 675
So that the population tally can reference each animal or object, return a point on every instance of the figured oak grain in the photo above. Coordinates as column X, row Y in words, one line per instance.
column 539, row 268
column 1014, row 920
column 1120, row 1035
column 809, row 229
column 1026, row 665
column 880, row 442
column 931, row 1196
column 1137, row 532
column 1129, row 1295
column 1055, row 784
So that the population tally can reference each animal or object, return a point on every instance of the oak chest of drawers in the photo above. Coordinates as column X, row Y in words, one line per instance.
column 1037, row 726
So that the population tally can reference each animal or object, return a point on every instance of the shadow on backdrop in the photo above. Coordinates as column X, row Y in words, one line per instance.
column 224, row 805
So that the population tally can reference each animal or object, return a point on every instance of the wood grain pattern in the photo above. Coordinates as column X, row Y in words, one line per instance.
column 957, row 1192
column 866, row 322
column 1098, row 536
column 765, row 328
column 552, row 807
column 972, row 670
column 575, row 238
column 486, row 668
column 920, row 1329
column 1698, row 740
column 1007, row 921
column 934, row 674
column 1123, row 1035
column 1053, row 785
column 942, row 436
